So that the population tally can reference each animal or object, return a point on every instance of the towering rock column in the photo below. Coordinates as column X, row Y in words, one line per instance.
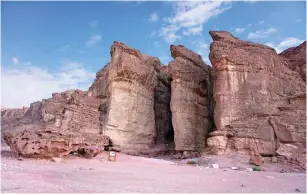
column 130, row 119
column 189, row 105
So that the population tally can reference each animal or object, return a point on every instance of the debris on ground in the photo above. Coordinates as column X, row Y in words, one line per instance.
column 215, row 166
column 256, row 168
column 192, row 161
column 234, row 168
column 274, row 159
column 55, row 159
column 256, row 160
column 249, row 169
column 297, row 190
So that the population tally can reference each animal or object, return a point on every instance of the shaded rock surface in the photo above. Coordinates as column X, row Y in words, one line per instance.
column 258, row 98
column 189, row 95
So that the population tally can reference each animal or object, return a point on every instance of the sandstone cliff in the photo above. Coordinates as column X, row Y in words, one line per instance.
column 259, row 101
column 252, row 101
column 189, row 100
column 296, row 59
column 136, row 93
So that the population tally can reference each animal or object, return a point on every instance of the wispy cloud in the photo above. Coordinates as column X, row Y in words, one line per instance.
column 261, row 22
column 63, row 48
column 261, row 33
column 299, row 20
column 202, row 48
column 15, row 61
column 165, row 59
column 154, row 17
column 285, row 44
column 239, row 30
column 35, row 83
column 94, row 23
column 190, row 16
column 95, row 39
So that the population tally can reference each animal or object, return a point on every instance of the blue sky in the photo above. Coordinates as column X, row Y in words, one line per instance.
column 54, row 46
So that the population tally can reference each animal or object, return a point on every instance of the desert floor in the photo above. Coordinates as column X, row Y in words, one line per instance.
column 136, row 174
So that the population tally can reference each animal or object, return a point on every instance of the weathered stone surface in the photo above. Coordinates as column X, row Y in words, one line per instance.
column 257, row 97
column 43, row 144
column 189, row 105
column 296, row 59
column 10, row 115
column 130, row 120
column 56, row 126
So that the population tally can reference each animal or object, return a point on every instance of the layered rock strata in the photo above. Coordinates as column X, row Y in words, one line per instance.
column 189, row 99
column 56, row 126
column 259, row 100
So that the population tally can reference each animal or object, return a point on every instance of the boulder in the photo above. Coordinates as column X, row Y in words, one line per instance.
column 258, row 98
column 256, row 160
column 190, row 89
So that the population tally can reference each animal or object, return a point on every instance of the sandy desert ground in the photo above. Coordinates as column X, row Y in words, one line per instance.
column 136, row 174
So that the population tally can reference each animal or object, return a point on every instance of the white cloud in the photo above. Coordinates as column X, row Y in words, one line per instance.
column 202, row 48
column 165, row 59
column 193, row 31
column 190, row 16
column 22, row 85
column 93, row 40
column 15, row 60
column 154, row 17
column 261, row 22
column 94, row 23
column 285, row 44
column 239, row 30
column 261, row 33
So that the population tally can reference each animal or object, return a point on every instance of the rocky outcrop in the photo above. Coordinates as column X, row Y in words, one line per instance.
column 296, row 59
column 189, row 105
column 131, row 81
column 258, row 99
column 10, row 115
column 56, row 126
column 48, row 144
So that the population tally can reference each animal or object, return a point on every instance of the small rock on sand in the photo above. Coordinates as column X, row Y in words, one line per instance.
column 215, row 166
column 54, row 159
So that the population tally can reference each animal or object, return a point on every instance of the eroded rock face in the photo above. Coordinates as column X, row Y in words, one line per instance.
column 189, row 105
column 296, row 59
column 47, row 144
column 10, row 115
column 257, row 97
column 130, row 120
column 56, row 126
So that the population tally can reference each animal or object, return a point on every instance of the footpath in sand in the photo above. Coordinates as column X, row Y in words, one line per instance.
column 136, row 174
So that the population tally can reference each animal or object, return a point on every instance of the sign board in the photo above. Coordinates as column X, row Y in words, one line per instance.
column 112, row 156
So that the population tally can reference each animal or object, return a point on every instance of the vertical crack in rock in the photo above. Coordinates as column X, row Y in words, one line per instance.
column 189, row 105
